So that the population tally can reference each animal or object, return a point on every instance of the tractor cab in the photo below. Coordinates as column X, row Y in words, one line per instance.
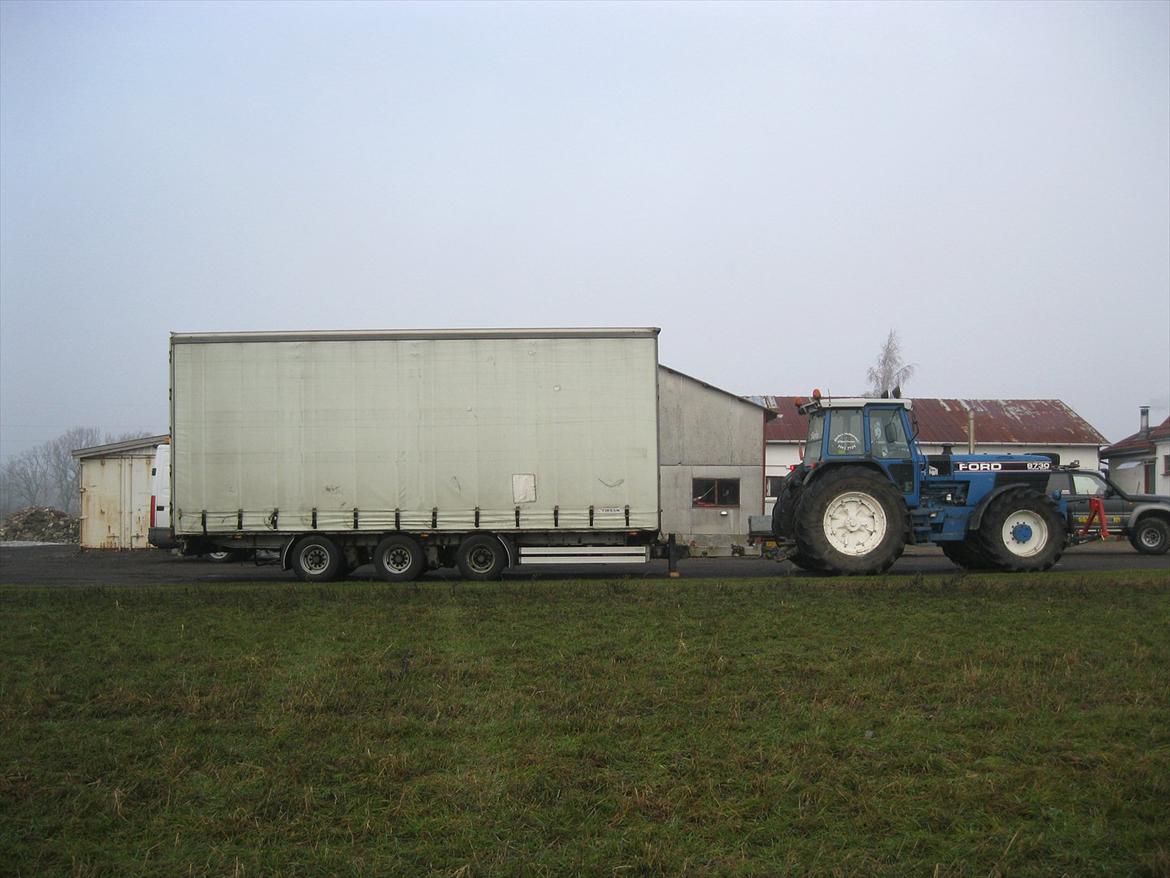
column 876, row 432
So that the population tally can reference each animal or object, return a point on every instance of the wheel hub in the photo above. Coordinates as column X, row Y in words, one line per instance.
column 314, row 559
column 1021, row 533
column 1025, row 533
column 855, row 523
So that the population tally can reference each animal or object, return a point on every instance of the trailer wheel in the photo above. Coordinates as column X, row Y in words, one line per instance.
column 967, row 554
column 851, row 520
column 481, row 557
column 1151, row 536
column 316, row 559
column 399, row 558
column 1022, row 531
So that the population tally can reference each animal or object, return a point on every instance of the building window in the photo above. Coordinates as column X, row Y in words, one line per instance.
column 1166, row 464
column 775, row 485
column 715, row 492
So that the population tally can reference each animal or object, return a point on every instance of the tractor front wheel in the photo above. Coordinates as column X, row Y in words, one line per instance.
column 1022, row 530
column 851, row 520
column 967, row 554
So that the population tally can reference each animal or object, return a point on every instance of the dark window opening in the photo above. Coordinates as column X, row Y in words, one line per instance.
column 715, row 492
column 775, row 485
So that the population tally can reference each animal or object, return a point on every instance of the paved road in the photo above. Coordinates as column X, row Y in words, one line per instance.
column 62, row 565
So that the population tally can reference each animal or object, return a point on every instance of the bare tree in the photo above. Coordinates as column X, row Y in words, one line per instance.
column 26, row 478
column 48, row 475
column 889, row 373
column 64, row 471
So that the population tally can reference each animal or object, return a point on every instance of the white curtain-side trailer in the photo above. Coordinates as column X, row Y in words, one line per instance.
column 416, row 449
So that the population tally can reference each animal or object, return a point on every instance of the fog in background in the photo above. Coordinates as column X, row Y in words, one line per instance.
column 776, row 186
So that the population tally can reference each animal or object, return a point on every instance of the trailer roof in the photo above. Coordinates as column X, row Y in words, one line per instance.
column 409, row 334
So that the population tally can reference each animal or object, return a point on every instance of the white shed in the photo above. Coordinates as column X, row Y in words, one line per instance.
column 115, row 493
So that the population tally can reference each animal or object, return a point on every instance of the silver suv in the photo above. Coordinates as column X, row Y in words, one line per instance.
column 1143, row 518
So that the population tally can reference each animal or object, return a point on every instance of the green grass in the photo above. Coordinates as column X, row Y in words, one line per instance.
column 936, row 726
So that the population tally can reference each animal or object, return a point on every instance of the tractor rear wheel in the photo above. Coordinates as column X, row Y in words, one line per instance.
column 1022, row 530
column 784, row 512
column 851, row 520
column 804, row 562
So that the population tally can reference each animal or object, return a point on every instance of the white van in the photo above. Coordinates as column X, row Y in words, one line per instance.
column 160, row 533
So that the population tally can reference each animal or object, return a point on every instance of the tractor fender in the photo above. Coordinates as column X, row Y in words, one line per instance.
column 819, row 471
column 976, row 517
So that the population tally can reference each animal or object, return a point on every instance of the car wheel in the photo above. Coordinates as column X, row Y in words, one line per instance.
column 1151, row 536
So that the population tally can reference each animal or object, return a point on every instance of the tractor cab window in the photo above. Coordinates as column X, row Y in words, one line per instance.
column 888, row 434
column 816, row 430
column 846, row 434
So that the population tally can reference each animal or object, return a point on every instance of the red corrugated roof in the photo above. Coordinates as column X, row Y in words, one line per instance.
column 1138, row 443
column 944, row 421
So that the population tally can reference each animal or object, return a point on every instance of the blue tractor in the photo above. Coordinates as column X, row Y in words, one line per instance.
column 864, row 490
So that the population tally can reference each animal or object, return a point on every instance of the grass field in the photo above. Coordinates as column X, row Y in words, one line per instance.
column 934, row 726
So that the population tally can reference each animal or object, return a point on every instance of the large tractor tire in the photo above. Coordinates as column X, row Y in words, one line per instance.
column 967, row 554
column 804, row 562
column 1022, row 530
column 784, row 512
column 851, row 520
column 1151, row 536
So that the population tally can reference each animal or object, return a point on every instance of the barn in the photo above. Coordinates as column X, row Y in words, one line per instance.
column 993, row 426
column 711, row 460
column 115, row 493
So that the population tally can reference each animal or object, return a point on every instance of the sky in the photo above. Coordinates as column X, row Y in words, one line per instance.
column 776, row 186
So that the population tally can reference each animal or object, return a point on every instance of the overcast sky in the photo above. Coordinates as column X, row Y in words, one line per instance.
column 776, row 186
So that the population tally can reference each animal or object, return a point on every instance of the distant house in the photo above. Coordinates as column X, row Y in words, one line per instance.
column 1140, row 463
column 1001, row 426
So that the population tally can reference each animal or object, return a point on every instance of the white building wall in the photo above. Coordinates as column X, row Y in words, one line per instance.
column 1162, row 467
column 705, row 433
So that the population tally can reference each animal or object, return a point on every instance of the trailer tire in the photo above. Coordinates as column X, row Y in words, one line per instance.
column 1151, row 536
column 967, row 554
column 224, row 556
column 1022, row 531
column 481, row 558
column 399, row 558
column 851, row 520
column 316, row 558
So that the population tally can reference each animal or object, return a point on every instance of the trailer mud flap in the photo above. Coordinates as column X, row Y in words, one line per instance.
column 286, row 554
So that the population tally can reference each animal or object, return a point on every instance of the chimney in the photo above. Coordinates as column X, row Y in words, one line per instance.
column 1145, row 410
column 970, row 431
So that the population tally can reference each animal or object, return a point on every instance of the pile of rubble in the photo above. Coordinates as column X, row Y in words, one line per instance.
column 40, row 524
